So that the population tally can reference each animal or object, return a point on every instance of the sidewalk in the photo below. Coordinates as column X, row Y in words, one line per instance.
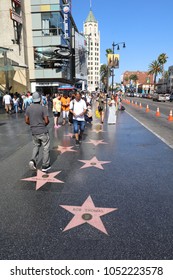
column 112, row 198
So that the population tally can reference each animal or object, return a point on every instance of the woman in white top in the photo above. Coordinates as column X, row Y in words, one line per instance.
column 112, row 109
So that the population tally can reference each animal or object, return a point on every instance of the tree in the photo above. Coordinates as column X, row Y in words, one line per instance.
column 133, row 77
column 104, row 74
column 107, row 71
column 108, row 51
column 162, row 59
column 166, row 75
column 155, row 68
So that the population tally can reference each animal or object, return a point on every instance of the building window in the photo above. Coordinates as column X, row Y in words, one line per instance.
column 51, row 23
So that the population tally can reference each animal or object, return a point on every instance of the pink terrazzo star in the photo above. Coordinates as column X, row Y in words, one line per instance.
column 42, row 178
column 96, row 142
column 69, row 134
column 64, row 149
column 94, row 162
column 87, row 213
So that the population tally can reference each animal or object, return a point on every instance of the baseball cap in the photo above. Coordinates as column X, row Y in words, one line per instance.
column 36, row 97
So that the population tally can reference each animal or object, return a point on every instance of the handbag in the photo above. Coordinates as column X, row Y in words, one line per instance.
column 97, row 114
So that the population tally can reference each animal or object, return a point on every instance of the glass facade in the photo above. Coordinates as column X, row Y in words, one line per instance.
column 48, row 34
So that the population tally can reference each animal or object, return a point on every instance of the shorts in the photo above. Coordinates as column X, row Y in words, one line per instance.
column 56, row 114
column 8, row 107
column 65, row 114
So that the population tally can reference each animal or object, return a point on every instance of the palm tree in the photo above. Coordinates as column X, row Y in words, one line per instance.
column 104, row 74
column 108, row 51
column 108, row 69
column 154, row 68
column 166, row 75
column 162, row 59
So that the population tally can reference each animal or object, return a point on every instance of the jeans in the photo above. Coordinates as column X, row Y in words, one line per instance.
column 77, row 125
column 38, row 141
column 16, row 108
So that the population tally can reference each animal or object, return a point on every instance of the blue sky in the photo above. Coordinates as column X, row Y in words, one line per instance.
column 145, row 27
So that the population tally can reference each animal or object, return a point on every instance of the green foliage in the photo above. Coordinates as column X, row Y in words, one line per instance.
column 155, row 68
column 133, row 77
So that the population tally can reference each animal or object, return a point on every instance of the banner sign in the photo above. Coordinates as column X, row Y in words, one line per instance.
column 68, row 2
column 15, row 16
column 66, row 10
column 113, row 60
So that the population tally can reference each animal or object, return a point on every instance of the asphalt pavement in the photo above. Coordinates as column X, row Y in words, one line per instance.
column 109, row 199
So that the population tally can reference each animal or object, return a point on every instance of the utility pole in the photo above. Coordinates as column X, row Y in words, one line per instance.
column 113, row 62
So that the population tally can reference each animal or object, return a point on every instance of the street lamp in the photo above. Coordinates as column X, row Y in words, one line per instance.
column 113, row 66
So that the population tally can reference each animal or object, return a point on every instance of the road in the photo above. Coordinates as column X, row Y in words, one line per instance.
column 160, row 126
column 164, row 107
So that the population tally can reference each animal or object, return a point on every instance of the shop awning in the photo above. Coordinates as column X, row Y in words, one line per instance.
column 66, row 87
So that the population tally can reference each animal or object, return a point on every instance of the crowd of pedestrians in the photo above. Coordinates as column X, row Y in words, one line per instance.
column 77, row 105
column 18, row 103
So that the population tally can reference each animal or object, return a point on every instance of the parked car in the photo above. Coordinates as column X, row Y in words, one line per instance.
column 131, row 94
column 171, row 97
column 159, row 97
column 167, row 96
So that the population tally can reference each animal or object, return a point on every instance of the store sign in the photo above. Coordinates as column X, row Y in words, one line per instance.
column 15, row 16
column 66, row 22
column 18, row 2
column 47, row 84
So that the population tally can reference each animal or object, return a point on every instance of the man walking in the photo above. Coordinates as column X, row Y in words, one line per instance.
column 7, row 100
column 37, row 117
column 78, row 109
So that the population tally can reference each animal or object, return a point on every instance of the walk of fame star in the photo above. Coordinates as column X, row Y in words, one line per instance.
column 64, row 149
column 42, row 178
column 96, row 142
column 87, row 213
column 94, row 162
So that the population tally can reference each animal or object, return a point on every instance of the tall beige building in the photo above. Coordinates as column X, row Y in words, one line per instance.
column 92, row 34
column 13, row 68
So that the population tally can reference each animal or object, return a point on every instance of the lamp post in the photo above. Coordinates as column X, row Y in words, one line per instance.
column 113, row 66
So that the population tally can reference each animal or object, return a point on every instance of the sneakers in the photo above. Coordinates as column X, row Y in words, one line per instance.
column 57, row 126
column 32, row 165
column 45, row 168
column 77, row 143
